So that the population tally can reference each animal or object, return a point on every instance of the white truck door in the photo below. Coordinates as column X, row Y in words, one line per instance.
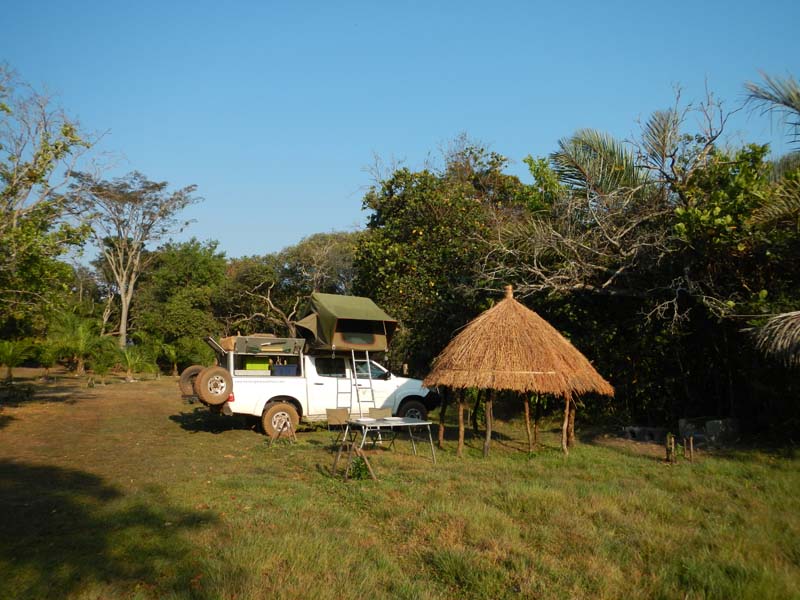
column 382, row 386
column 328, row 384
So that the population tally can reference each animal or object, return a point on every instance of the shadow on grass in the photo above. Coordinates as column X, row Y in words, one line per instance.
column 65, row 532
column 19, row 394
column 6, row 420
column 201, row 419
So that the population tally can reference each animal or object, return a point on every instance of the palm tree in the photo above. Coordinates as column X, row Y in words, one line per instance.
column 77, row 339
column 12, row 354
column 134, row 359
column 780, row 337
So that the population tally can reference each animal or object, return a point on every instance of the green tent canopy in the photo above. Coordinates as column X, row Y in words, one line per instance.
column 346, row 323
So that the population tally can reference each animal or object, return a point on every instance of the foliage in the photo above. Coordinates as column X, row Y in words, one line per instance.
column 136, row 359
column 419, row 255
column 77, row 339
column 175, row 296
column 13, row 353
column 39, row 148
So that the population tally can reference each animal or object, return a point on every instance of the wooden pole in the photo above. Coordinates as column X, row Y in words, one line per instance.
column 537, row 415
column 527, row 401
column 691, row 449
column 475, row 429
column 564, row 426
column 571, row 425
column 460, row 450
column 445, row 401
column 487, row 442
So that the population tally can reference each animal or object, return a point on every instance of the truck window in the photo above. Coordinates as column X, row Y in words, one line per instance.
column 330, row 367
column 363, row 369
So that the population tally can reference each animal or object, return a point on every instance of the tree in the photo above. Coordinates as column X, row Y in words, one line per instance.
column 40, row 147
column 126, row 214
column 420, row 255
column 175, row 296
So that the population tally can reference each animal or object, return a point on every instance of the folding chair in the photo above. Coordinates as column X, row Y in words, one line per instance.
column 378, row 413
column 337, row 423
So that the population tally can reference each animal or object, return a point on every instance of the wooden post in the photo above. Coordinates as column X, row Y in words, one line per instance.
column 571, row 425
column 460, row 450
column 691, row 449
column 564, row 426
column 527, row 401
column 685, row 448
column 445, row 401
column 487, row 442
column 669, row 447
column 537, row 415
column 475, row 429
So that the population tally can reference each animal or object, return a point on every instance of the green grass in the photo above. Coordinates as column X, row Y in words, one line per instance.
column 124, row 491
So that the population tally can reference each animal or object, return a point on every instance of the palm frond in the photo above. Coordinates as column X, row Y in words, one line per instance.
column 777, row 94
column 780, row 338
column 660, row 137
column 596, row 163
column 783, row 203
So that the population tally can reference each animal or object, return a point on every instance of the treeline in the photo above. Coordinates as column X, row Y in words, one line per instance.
column 662, row 259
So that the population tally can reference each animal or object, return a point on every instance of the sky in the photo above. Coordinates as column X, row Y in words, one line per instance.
column 276, row 110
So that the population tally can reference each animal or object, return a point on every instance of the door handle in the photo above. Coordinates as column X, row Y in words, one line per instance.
column 316, row 383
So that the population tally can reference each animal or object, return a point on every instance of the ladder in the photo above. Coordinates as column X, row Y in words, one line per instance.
column 354, row 393
column 364, row 391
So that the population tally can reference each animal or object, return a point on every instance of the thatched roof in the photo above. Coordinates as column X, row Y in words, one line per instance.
column 510, row 347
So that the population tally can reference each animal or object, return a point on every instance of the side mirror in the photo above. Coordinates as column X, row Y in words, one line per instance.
column 386, row 376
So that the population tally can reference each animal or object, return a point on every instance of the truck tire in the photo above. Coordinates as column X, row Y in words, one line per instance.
column 413, row 409
column 276, row 414
column 213, row 385
column 188, row 376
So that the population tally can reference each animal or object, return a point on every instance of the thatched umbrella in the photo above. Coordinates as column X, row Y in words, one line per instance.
column 510, row 347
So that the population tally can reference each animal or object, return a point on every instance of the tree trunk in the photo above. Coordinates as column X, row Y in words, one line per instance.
column 124, row 302
column 80, row 366
column 571, row 425
column 487, row 442
column 445, row 402
column 9, row 374
column 527, row 401
column 174, row 369
column 564, row 426
column 460, row 450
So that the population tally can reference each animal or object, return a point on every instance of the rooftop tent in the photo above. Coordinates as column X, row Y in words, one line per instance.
column 346, row 323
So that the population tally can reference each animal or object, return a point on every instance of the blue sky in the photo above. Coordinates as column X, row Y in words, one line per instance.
column 275, row 109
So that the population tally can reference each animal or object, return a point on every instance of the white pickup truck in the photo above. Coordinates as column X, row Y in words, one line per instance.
column 275, row 380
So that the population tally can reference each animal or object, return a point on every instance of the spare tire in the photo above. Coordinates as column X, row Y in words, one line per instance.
column 213, row 385
column 188, row 376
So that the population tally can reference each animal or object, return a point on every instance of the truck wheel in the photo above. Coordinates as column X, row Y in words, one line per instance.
column 276, row 414
column 213, row 385
column 413, row 409
column 188, row 376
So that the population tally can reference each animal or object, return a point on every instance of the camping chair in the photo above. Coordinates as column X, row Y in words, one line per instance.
column 378, row 413
column 337, row 424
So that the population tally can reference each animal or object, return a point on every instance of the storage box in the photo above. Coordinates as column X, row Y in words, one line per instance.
column 284, row 370
column 256, row 363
